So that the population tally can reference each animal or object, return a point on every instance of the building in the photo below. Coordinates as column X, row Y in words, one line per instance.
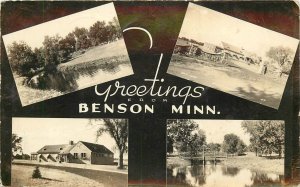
column 81, row 152
column 211, row 52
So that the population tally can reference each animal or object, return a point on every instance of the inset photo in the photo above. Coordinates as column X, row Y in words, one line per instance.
column 67, row 54
column 69, row 152
column 233, row 56
column 225, row 152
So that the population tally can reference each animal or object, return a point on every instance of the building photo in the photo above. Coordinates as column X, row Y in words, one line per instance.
column 233, row 56
column 56, row 151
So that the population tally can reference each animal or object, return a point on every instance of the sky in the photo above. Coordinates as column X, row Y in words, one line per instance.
column 34, row 36
column 206, row 25
column 37, row 132
column 216, row 129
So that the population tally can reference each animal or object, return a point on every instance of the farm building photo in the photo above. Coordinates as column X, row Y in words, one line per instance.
column 233, row 56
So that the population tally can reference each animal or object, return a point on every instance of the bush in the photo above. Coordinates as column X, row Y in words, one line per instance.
column 36, row 173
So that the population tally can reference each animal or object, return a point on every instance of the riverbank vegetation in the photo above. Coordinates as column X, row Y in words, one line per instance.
column 35, row 64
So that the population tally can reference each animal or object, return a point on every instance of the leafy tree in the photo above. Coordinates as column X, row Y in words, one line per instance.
column 51, row 52
column 114, row 30
column 215, row 147
column 16, row 144
column 67, row 46
column 282, row 56
column 118, row 130
column 39, row 53
column 233, row 144
column 186, row 136
column 22, row 58
column 241, row 147
column 266, row 136
column 82, row 39
column 98, row 33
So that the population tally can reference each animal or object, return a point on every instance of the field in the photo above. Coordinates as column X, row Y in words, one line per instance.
column 229, row 78
column 66, row 176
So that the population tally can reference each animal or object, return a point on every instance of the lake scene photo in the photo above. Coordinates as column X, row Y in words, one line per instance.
column 225, row 153
column 67, row 54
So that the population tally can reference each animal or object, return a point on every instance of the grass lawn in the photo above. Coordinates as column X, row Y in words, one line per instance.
column 21, row 176
column 254, row 163
column 229, row 78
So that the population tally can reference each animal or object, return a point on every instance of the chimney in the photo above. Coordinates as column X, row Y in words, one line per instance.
column 71, row 142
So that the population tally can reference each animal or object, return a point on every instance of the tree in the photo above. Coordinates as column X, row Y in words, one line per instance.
column 51, row 52
column 16, row 144
column 266, row 136
column 185, row 136
column 118, row 130
column 36, row 173
column 82, row 39
column 98, row 33
column 282, row 56
column 22, row 58
column 67, row 46
column 233, row 144
column 215, row 147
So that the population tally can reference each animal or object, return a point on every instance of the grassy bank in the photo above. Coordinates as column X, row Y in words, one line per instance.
column 30, row 95
column 254, row 163
column 249, row 161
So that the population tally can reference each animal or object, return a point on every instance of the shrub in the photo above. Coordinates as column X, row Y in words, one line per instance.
column 36, row 173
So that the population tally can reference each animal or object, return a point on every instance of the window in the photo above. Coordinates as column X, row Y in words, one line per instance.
column 83, row 155
column 75, row 155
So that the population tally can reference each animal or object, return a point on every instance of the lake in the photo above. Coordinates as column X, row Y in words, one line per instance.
column 219, row 175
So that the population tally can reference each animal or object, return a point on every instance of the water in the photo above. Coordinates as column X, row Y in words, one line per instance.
column 72, row 80
column 220, row 176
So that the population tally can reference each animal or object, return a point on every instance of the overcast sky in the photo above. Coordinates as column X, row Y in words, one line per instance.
column 206, row 25
column 34, row 36
column 37, row 132
column 216, row 129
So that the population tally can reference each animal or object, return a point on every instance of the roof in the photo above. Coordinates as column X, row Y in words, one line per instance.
column 53, row 149
column 97, row 148
column 181, row 42
column 232, row 48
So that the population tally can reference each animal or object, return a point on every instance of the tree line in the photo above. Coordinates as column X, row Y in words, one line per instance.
column 187, row 138
column 27, row 62
column 266, row 137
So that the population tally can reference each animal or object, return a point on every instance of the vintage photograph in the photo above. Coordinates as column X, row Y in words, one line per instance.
column 233, row 56
column 69, row 152
column 67, row 54
column 225, row 152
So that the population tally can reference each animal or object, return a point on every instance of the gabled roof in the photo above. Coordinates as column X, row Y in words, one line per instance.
column 232, row 48
column 96, row 148
column 182, row 42
column 52, row 149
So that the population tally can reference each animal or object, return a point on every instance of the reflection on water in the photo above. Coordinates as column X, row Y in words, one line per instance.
column 71, row 80
column 219, row 175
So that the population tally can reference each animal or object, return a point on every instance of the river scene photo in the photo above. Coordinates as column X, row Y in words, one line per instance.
column 87, row 50
column 225, row 153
